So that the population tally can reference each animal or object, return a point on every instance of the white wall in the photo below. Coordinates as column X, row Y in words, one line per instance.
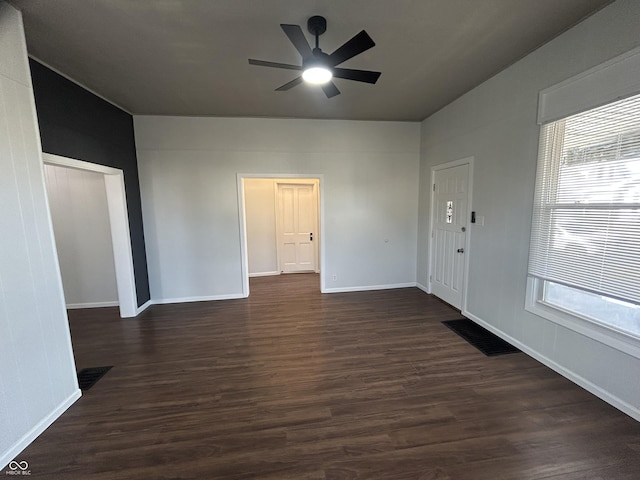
column 37, row 371
column 188, row 169
column 80, row 215
column 259, row 195
column 496, row 123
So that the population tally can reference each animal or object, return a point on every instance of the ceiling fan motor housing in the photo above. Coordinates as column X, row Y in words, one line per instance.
column 319, row 59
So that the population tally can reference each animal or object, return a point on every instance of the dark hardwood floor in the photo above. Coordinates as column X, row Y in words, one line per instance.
column 290, row 384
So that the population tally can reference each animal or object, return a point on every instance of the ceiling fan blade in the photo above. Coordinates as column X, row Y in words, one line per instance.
column 263, row 63
column 289, row 85
column 294, row 32
column 330, row 89
column 357, row 75
column 358, row 44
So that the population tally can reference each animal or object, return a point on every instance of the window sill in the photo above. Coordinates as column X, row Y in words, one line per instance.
column 610, row 336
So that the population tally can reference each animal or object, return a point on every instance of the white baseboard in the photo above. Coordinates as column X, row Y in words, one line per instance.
column 42, row 425
column 231, row 296
column 611, row 399
column 143, row 307
column 423, row 288
column 264, row 274
column 368, row 288
column 75, row 306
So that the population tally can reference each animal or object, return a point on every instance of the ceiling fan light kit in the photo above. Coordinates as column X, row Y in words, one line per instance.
column 317, row 75
column 317, row 67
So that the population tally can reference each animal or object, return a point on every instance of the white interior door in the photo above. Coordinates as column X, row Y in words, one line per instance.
column 449, row 212
column 298, row 235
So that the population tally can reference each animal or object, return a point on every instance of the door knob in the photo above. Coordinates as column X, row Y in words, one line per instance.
column 461, row 250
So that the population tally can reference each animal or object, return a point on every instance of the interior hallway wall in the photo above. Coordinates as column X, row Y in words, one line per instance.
column 77, row 124
column 80, row 215
column 262, row 228
column 37, row 372
column 260, row 211
column 189, row 168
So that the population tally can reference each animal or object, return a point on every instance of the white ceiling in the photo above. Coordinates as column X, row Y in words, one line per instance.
column 189, row 57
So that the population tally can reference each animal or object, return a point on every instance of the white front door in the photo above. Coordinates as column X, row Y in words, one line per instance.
column 298, row 235
column 448, row 236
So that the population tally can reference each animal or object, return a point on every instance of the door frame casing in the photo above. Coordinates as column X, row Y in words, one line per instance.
column 467, row 243
column 119, row 226
column 242, row 214
column 295, row 181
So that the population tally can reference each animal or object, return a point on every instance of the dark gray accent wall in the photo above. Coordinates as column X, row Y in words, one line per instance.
column 75, row 123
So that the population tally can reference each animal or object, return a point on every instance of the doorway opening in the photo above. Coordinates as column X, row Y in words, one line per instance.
column 449, row 231
column 281, row 219
column 119, row 227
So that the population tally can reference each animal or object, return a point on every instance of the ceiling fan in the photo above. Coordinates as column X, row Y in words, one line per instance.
column 318, row 67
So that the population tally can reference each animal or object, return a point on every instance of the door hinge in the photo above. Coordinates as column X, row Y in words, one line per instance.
column 434, row 187
column 431, row 278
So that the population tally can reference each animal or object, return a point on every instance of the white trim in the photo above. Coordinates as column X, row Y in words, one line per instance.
column 207, row 298
column 121, row 240
column 423, row 288
column 76, row 306
column 242, row 220
column 264, row 274
column 467, row 247
column 144, row 306
column 278, row 227
column 321, row 263
column 610, row 81
column 369, row 288
column 84, row 87
column 52, row 159
column 38, row 429
column 119, row 222
column 618, row 403
column 600, row 333
column 467, row 244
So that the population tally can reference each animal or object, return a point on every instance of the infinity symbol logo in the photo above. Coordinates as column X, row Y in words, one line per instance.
column 18, row 465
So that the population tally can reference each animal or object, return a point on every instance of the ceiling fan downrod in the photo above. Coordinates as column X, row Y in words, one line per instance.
column 317, row 25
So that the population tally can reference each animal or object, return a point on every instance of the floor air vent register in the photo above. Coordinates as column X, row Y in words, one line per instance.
column 481, row 338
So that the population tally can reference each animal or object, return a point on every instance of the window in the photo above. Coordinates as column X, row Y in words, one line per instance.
column 584, row 258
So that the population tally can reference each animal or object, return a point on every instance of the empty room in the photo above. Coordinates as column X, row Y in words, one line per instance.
column 320, row 240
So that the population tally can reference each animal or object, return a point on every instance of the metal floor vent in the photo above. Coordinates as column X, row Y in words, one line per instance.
column 87, row 377
column 480, row 337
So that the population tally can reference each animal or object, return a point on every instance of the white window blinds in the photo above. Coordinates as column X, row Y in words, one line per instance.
column 586, row 219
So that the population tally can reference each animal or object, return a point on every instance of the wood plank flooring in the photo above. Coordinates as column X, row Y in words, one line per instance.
column 292, row 384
